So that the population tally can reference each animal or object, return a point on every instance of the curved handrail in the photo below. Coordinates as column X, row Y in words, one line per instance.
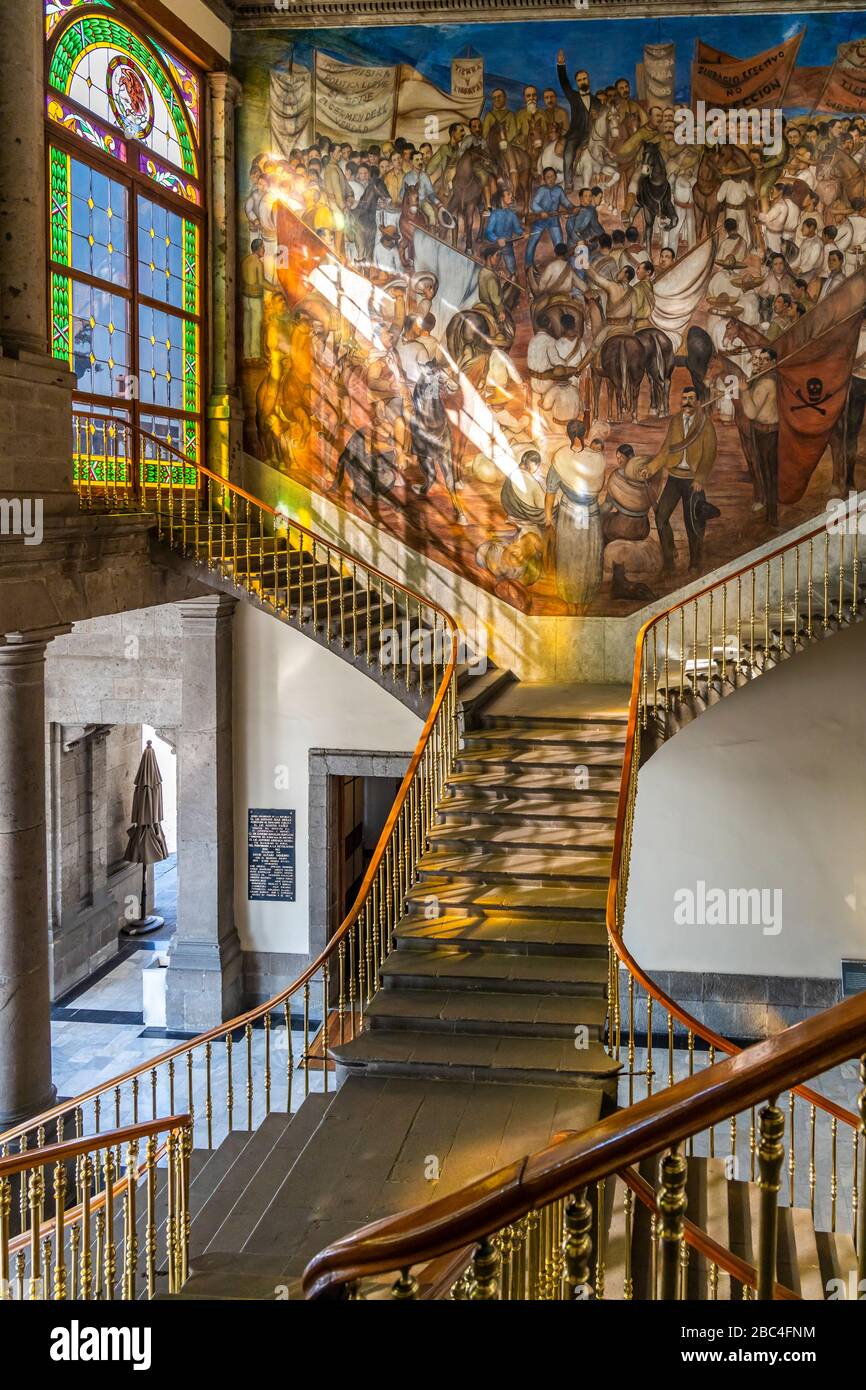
column 617, row 1142
column 692, row 1024
column 445, row 692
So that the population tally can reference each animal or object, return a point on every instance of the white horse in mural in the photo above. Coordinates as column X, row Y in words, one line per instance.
column 596, row 166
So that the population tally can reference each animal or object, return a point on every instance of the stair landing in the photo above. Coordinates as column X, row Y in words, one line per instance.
column 384, row 1145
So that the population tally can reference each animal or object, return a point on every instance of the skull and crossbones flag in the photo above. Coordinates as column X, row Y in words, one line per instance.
column 816, row 357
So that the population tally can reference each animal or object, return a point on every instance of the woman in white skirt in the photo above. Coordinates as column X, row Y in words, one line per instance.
column 575, row 478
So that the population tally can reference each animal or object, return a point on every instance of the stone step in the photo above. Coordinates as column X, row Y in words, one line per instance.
column 502, row 931
column 528, row 808
column 443, row 968
column 487, row 864
column 475, row 690
column 468, row 833
column 575, row 902
column 478, row 1057
column 265, row 1178
column 533, row 734
column 535, row 755
column 474, row 1011
column 225, row 1194
column 553, row 782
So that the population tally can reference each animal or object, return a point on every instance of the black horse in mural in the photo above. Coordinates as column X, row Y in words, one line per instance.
column 654, row 198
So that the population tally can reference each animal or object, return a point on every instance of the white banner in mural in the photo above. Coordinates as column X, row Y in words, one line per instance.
column 290, row 108
column 659, row 72
column 352, row 102
column 467, row 81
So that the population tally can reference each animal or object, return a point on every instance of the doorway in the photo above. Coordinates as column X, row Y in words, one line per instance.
column 358, row 810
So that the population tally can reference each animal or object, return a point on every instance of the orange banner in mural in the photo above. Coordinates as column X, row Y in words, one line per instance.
column 719, row 79
column 845, row 89
column 816, row 360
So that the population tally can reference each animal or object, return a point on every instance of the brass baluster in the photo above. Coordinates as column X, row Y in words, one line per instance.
column 74, row 1243
column 268, row 1063
column 110, row 1263
column 834, row 1178
column 771, row 1156
column 171, row 1225
column 672, row 1202
column 130, row 1242
column 860, row 1228
column 601, row 1214
column 150, row 1220
column 230, row 1094
column 791, row 1148
column 5, row 1209
column 60, row 1232
column 628, row 1208
column 812, row 1170
column 287, row 1020
column 577, row 1246
column 208, row 1101
column 36, row 1197
column 100, row 1245
column 306, row 1052
column 325, row 1022
column 485, row 1270
column 85, row 1270
column 248, row 1034
column 406, row 1286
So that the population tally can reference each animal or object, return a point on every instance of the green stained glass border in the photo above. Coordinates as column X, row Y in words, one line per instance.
column 190, row 366
column 190, row 266
column 61, row 317
column 61, row 232
column 95, row 31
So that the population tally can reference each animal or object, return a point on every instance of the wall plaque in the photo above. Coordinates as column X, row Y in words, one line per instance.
column 853, row 977
column 271, row 842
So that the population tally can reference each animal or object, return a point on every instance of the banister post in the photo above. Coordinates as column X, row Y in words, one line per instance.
column 771, row 1154
column 672, row 1203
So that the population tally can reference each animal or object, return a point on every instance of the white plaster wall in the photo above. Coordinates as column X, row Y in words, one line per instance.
column 764, row 790
column 202, row 20
column 290, row 696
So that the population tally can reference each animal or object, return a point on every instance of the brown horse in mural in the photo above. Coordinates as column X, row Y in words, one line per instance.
column 474, row 176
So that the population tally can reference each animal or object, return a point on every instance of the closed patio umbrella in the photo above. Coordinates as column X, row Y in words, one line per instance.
column 146, row 843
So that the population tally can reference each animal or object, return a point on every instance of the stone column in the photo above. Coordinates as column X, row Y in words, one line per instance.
column 23, row 231
column 25, row 1011
column 225, row 435
column 35, row 388
column 204, row 982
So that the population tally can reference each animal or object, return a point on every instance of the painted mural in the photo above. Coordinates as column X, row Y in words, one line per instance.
column 573, row 308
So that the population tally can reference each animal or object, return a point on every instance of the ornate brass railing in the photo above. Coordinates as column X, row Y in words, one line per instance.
column 694, row 654
column 526, row 1231
column 319, row 588
column 92, row 1221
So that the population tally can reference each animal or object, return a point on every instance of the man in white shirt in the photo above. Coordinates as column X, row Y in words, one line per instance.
column 734, row 198
column 781, row 220
column 851, row 234
column 809, row 260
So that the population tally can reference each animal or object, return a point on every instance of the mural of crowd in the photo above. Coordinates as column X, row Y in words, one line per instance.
column 533, row 330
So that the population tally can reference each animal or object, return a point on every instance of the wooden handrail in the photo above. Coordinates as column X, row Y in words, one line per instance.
column 76, row 1148
column 613, row 1144
column 259, row 1011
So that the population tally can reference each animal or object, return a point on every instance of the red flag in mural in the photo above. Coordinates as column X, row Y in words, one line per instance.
column 722, row 80
column 816, row 357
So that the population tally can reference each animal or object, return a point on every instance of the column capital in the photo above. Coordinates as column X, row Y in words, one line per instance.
column 224, row 87
column 17, row 648
column 207, row 611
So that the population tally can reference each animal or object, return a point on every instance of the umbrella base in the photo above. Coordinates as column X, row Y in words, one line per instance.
column 142, row 926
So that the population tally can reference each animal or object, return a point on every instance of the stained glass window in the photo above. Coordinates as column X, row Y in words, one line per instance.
column 123, row 115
